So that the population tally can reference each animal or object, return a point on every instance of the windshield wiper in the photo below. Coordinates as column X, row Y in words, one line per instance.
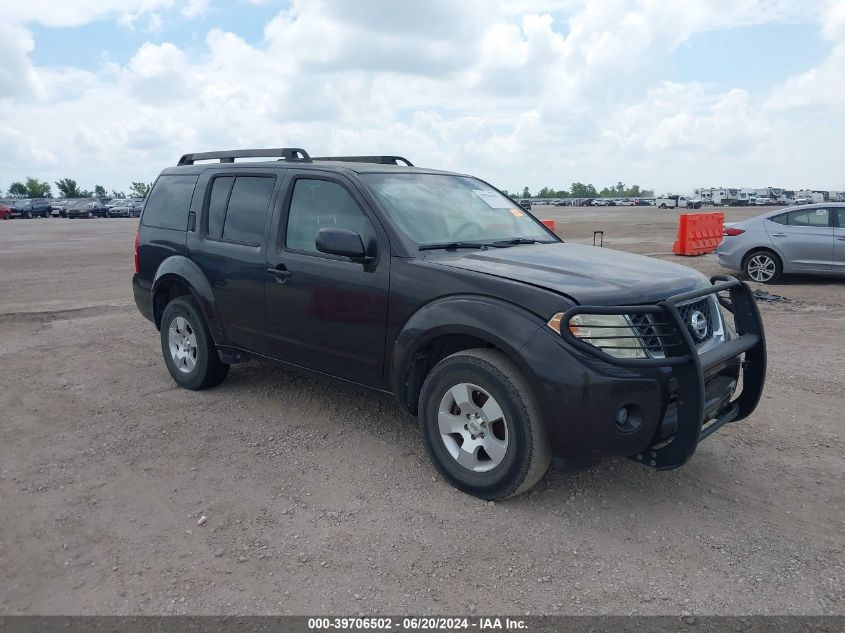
column 520, row 240
column 453, row 245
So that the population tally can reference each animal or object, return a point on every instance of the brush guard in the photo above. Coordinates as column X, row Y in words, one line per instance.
column 687, row 365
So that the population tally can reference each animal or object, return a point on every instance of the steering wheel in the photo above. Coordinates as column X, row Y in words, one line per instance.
column 466, row 225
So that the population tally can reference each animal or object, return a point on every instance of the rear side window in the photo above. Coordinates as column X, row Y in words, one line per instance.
column 809, row 217
column 220, row 190
column 841, row 212
column 781, row 219
column 169, row 202
column 247, row 210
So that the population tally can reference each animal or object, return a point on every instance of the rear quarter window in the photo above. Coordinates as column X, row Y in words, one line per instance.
column 169, row 202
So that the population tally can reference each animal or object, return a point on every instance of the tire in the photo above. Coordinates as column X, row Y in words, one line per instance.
column 519, row 451
column 195, row 364
column 90, row 215
column 763, row 266
column 662, row 205
column 27, row 215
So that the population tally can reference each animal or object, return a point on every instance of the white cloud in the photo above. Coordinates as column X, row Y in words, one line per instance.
column 194, row 8
column 519, row 92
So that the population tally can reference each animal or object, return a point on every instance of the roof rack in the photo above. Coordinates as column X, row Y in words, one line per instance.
column 380, row 160
column 291, row 154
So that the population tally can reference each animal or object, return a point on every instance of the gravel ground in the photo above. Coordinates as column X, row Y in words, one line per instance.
column 320, row 499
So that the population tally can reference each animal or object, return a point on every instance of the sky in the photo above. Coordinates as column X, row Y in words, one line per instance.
column 670, row 95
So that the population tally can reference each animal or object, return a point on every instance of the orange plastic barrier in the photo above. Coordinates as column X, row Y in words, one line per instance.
column 549, row 223
column 698, row 233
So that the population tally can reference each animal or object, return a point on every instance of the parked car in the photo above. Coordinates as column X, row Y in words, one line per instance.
column 624, row 202
column 436, row 288
column 119, row 208
column 763, row 201
column 602, row 202
column 136, row 205
column 6, row 209
column 86, row 208
column 803, row 200
column 673, row 201
column 59, row 207
column 31, row 208
column 808, row 239
column 525, row 204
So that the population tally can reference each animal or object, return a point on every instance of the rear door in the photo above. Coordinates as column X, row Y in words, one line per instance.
column 326, row 312
column 228, row 246
column 839, row 239
column 804, row 238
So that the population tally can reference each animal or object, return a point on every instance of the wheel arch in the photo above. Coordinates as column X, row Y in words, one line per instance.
column 179, row 276
column 450, row 325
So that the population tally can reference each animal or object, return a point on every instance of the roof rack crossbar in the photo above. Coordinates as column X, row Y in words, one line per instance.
column 291, row 154
column 380, row 160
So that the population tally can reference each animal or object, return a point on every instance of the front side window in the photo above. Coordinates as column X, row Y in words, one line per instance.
column 438, row 208
column 841, row 212
column 809, row 217
column 317, row 204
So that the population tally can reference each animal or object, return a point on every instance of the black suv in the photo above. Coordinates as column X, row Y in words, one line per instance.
column 510, row 345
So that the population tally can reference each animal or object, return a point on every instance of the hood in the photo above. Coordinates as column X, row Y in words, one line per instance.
column 587, row 274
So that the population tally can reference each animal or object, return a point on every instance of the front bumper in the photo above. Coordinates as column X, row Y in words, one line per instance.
column 679, row 399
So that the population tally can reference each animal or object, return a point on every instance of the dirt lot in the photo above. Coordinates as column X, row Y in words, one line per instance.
column 320, row 499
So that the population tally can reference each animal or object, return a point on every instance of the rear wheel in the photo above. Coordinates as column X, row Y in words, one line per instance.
column 27, row 215
column 189, row 351
column 482, row 426
column 763, row 266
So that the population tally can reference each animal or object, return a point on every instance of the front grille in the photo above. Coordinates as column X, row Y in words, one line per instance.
column 643, row 326
column 656, row 335
column 705, row 307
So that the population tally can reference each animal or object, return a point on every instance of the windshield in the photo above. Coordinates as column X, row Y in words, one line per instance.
column 440, row 209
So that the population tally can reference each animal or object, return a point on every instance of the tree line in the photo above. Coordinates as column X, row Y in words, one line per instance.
column 68, row 188
column 580, row 190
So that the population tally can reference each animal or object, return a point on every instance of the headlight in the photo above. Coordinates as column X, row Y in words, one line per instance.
column 604, row 331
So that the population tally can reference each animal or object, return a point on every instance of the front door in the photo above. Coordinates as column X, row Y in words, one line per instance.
column 805, row 239
column 326, row 312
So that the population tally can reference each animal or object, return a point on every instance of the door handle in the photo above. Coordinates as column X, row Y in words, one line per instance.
column 281, row 273
column 841, row 239
column 778, row 234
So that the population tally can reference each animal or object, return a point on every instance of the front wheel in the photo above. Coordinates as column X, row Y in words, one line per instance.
column 763, row 267
column 189, row 351
column 482, row 426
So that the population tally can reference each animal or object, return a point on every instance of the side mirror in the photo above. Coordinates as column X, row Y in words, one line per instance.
column 343, row 242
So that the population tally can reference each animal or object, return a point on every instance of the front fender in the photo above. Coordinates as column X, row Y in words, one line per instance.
column 502, row 324
column 182, row 269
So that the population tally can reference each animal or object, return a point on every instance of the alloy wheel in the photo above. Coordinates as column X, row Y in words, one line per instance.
column 473, row 427
column 761, row 267
column 182, row 341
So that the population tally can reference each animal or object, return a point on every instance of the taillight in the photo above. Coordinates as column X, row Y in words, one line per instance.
column 137, row 237
column 732, row 232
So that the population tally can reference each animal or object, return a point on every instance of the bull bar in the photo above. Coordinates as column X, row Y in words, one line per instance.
column 688, row 366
